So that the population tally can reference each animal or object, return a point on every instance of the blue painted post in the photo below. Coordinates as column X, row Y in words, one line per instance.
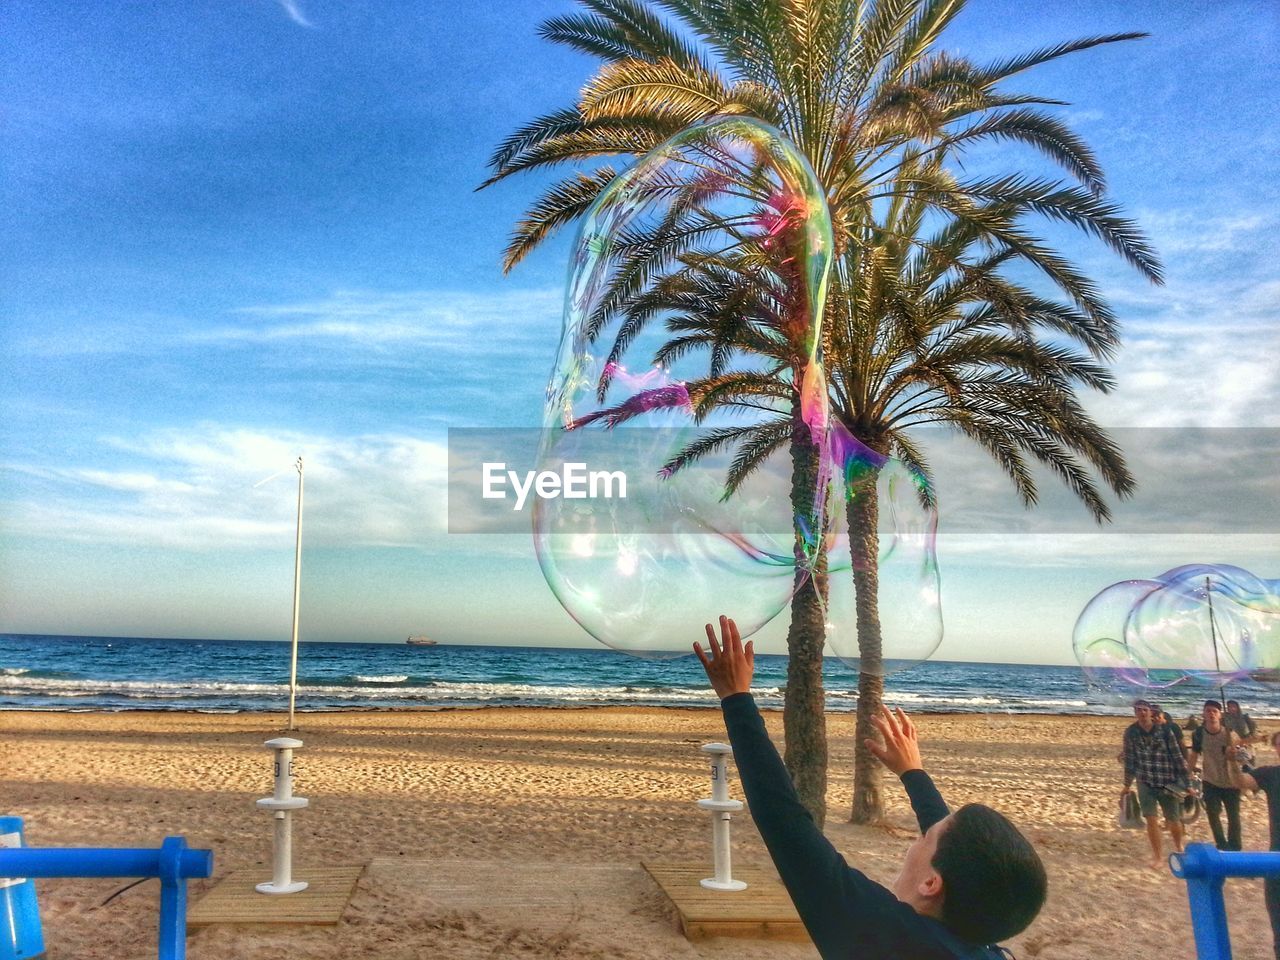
column 21, row 937
column 173, row 863
column 1205, row 867
column 173, row 901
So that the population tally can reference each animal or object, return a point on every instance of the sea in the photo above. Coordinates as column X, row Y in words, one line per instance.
column 74, row 673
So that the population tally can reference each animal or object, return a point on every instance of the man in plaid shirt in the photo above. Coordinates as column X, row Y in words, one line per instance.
column 1154, row 760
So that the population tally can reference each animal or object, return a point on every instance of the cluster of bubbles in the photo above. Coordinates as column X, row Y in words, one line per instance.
column 742, row 489
column 1198, row 625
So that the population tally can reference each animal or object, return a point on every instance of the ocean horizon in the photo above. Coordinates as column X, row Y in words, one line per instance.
column 90, row 673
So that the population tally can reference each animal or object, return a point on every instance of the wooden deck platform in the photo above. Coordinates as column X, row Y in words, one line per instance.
column 234, row 899
column 763, row 911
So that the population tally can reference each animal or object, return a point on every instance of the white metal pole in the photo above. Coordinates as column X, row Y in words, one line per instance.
column 282, row 803
column 297, row 587
column 720, row 807
column 282, row 852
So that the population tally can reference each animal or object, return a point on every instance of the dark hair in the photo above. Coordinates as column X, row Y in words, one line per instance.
column 1233, row 703
column 1141, row 703
column 993, row 881
column 1212, row 703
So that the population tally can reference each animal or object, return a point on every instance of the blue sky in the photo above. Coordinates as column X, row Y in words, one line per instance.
column 240, row 230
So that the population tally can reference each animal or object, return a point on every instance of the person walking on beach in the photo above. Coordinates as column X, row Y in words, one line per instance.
column 1209, row 745
column 1241, row 724
column 1175, row 731
column 1266, row 779
column 1155, row 762
column 969, row 880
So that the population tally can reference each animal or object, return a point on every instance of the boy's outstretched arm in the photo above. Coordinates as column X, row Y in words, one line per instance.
column 839, row 905
column 730, row 666
column 900, row 752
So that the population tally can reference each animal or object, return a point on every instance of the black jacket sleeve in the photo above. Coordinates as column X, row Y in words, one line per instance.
column 925, row 799
column 847, row 914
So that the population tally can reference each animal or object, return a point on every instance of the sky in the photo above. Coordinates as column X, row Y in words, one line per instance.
column 240, row 231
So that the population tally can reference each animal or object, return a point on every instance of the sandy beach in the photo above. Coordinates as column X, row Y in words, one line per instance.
column 523, row 795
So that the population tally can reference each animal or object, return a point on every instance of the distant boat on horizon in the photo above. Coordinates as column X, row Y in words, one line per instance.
column 420, row 642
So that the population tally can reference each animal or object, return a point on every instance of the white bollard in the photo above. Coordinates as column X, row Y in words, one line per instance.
column 282, row 803
column 721, row 808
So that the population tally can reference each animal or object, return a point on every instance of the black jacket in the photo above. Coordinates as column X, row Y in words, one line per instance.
column 848, row 915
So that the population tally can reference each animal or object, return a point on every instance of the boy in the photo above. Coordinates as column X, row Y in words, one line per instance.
column 969, row 880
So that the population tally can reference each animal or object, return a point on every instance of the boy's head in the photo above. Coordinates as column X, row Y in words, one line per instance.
column 1212, row 712
column 976, row 873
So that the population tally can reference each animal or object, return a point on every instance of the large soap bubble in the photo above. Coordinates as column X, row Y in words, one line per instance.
column 883, row 604
column 1198, row 627
column 693, row 369
column 1114, row 668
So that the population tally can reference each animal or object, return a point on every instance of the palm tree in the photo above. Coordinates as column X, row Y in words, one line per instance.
column 926, row 329
column 740, row 217
column 859, row 87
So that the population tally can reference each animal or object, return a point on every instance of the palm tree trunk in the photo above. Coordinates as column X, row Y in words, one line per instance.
column 803, row 714
column 864, row 546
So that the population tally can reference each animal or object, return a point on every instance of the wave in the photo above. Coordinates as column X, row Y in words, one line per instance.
column 24, row 689
column 379, row 688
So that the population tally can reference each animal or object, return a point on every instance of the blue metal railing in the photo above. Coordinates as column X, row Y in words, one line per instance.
column 1205, row 867
column 174, row 863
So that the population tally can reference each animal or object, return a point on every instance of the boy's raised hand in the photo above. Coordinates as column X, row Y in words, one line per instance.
column 901, row 749
column 729, row 665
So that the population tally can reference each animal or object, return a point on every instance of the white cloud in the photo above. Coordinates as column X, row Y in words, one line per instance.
column 198, row 491
column 295, row 13
column 1080, row 117
column 1189, row 230
column 1145, row 554
column 429, row 318
column 360, row 319
column 1216, row 371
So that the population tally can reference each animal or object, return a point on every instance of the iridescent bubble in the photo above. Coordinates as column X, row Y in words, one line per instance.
column 1113, row 672
column 898, row 569
column 1200, row 626
column 671, row 365
column 1106, row 615
column 1216, row 623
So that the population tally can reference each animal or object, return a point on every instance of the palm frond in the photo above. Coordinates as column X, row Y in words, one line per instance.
column 1080, row 208
column 755, row 451
column 561, row 204
column 707, row 444
column 906, row 450
column 1003, row 69
column 666, row 90
column 920, row 35
column 590, row 141
column 543, row 128
column 619, row 30
column 1046, row 134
